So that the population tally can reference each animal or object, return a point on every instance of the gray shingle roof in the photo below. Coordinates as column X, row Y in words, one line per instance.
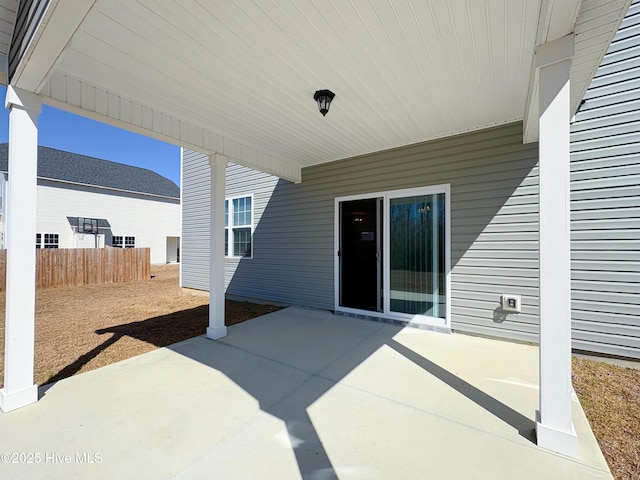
column 72, row 167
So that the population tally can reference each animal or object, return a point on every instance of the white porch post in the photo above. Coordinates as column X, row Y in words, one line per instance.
column 19, row 389
column 216, row 327
column 554, row 427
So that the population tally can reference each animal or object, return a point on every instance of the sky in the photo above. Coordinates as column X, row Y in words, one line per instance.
column 73, row 133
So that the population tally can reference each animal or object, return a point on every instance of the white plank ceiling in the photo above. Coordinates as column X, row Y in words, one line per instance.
column 403, row 71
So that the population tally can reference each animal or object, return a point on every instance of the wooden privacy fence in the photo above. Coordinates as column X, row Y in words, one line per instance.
column 66, row 267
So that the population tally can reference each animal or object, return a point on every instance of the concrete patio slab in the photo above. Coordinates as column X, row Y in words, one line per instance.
column 298, row 394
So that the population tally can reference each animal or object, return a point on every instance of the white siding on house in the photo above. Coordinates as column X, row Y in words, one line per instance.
column 605, row 201
column 149, row 219
column 494, row 218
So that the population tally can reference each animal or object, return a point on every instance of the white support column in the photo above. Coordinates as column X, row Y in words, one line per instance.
column 216, row 327
column 554, row 426
column 19, row 389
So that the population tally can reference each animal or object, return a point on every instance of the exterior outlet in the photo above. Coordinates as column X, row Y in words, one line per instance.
column 511, row 303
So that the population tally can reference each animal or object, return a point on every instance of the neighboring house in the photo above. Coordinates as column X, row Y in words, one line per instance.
column 320, row 243
column 86, row 202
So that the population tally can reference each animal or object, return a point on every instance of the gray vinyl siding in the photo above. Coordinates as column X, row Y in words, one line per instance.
column 605, row 201
column 494, row 225
column 194, row 249
column 240, row 181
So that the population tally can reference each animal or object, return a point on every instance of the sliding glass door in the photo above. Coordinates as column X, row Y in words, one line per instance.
column 417, row 255
column 392, row 254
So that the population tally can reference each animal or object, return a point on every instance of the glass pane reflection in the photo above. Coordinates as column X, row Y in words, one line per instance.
column 417, row 253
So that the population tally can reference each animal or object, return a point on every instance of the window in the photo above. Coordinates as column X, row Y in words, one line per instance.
column 119, row 241
column 238, row 227
column 50, row 240
column 38, row 240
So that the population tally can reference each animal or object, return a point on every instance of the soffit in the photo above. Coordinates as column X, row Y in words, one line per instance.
column 7, row 17
column 402, row 71
column 237, row 76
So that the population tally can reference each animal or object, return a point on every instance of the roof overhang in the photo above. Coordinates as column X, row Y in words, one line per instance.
column 587, row 28
column 238, row 78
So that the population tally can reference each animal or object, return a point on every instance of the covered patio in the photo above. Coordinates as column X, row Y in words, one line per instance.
column 301, row 393
column 235, row 81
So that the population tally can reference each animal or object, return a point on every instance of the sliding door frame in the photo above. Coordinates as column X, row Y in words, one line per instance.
column 386, row 313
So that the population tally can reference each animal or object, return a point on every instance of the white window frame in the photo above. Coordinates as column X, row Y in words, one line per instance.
column 228, row 228
column 437, row 322
column 123, row 241
column 50, row 244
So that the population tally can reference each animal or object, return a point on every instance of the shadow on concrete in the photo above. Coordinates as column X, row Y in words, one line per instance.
column 303, row 346
column 508, row 415
column 312, row 354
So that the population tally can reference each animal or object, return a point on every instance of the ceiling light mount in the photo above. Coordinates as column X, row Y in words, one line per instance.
column 324, row 97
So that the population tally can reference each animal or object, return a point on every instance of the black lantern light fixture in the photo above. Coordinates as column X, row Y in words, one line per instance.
column 323, row 97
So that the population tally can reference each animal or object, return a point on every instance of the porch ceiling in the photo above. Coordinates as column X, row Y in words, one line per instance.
column 401, row 72
column 238, row 77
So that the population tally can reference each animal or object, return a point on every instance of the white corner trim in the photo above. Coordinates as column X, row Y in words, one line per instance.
column 555, row 51
column 18, row 399
column 215, row 333
column 559, row 441
column 546, row 54
column 22, row 99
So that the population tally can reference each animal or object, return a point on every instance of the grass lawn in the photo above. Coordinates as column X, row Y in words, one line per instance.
column 610, row 397
column 83, row 328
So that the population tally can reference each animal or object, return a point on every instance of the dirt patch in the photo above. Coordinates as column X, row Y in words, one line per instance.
column 610, row 397
column 83, row 328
